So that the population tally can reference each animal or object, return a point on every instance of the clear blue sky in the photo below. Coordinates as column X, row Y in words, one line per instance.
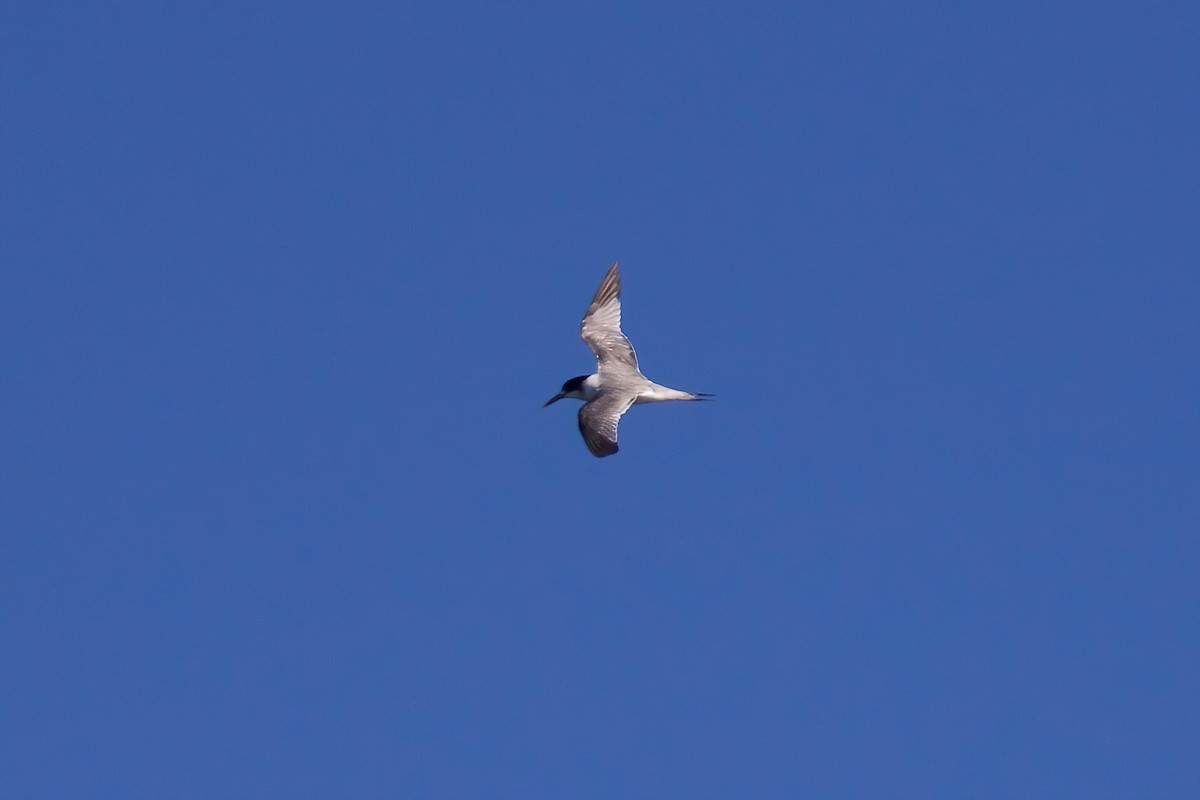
column 285, row 286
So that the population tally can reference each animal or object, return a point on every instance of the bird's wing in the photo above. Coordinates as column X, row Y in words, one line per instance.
column 598, row 420
column 601, row 327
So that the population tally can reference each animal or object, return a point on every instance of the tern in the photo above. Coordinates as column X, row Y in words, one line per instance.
column 617, row 383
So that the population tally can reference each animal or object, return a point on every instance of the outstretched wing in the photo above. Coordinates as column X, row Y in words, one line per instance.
column 601, row 327
column 598, row 420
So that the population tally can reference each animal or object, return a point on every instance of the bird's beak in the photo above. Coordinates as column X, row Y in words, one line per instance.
column 554, row 399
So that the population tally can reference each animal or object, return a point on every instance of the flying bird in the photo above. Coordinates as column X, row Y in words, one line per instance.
column 617, row 383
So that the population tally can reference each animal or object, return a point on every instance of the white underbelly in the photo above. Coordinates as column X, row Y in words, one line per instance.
column 660, row 394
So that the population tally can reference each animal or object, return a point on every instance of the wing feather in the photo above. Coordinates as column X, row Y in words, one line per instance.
column 598, row 419
column 601, row 326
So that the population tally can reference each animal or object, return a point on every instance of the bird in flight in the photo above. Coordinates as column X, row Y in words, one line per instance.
column 618, row 383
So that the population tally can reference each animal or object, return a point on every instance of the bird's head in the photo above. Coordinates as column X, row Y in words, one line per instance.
column 572, row 388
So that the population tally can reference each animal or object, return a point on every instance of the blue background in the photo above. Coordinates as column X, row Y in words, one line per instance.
column 285, row 286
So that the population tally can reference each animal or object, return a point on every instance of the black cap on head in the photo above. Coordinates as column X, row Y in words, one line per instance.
column 575, row 384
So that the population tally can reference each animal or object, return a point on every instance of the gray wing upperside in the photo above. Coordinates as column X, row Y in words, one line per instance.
column 598, row 419
column 601, row 327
